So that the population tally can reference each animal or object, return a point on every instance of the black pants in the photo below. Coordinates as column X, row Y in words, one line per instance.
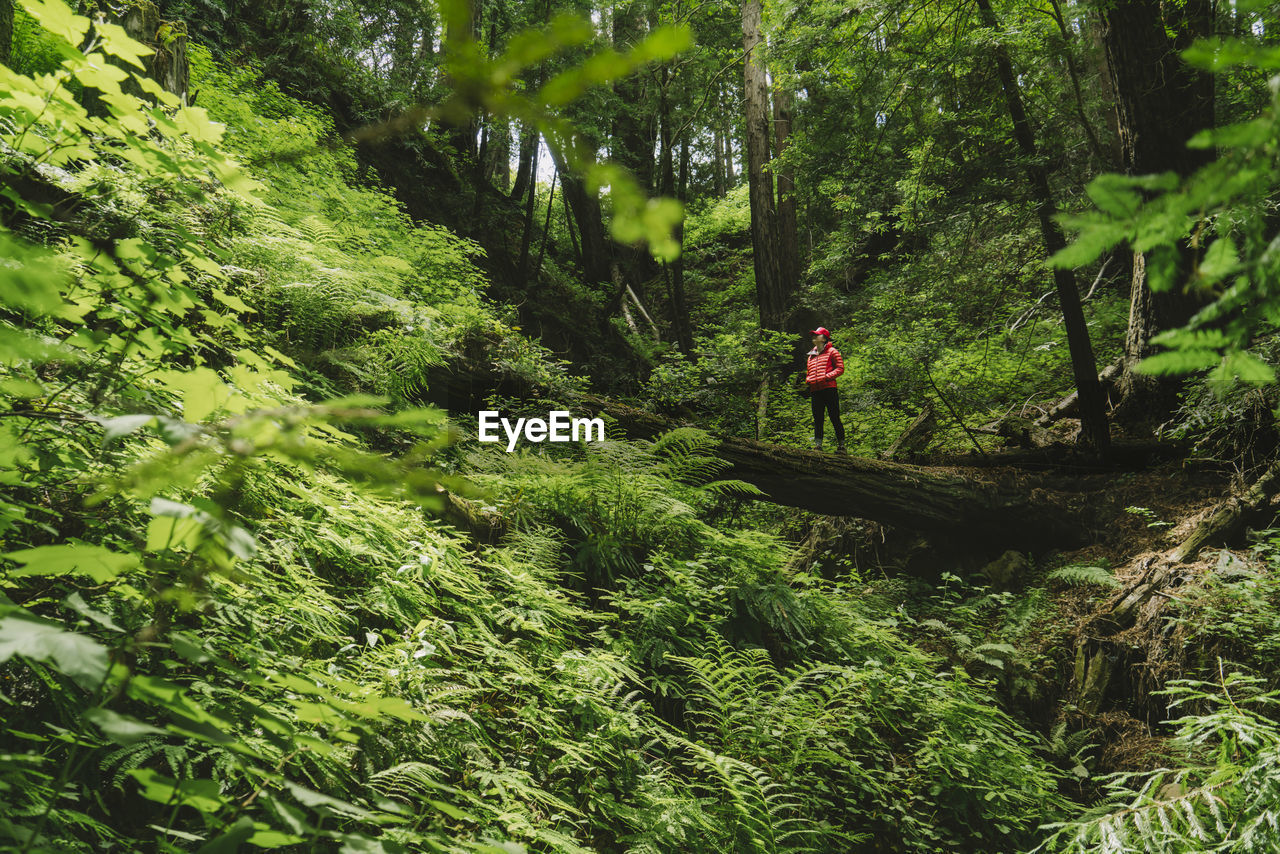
column 826, row 400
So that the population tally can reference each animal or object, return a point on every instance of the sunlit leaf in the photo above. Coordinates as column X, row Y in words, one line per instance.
column 96, row 562
column 74, row 655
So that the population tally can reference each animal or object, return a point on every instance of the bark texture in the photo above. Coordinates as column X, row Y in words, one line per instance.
column 1094, row 430
column 764, row 231
column 1161, row 102
column 168, row 65
column 912, row 497
column 788, row 236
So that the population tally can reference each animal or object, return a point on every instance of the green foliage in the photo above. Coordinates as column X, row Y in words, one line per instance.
column 1221, row 799
column 1219, row 217
column 1080, row 575
column 227, row 620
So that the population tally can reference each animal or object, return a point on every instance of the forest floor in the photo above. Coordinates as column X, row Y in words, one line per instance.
column 1137, row 519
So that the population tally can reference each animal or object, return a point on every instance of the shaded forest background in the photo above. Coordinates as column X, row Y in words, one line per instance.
column 263, row 589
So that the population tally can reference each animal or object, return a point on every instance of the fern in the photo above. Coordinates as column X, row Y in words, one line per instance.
column 1081, row 575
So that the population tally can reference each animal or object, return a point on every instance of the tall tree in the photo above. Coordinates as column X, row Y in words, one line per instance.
column 524, row 165
column 461, row 29
column 770, row 290
column 788, row 237
column 1093, row 416
column 6, row 30
column 632, row 145
column 1161, row 102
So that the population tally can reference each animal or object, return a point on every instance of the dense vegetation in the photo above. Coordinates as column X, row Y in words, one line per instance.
column 261, row 588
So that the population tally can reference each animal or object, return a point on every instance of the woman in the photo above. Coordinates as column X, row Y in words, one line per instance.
column 824, row 365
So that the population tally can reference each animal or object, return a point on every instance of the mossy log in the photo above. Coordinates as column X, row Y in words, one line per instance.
column 1008, row 515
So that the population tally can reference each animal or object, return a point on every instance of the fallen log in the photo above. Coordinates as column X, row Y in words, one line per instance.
column 962, row 508
column 989, row 508
column 1019, row 431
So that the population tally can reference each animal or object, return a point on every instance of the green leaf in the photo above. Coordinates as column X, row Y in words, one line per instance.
column 76, row 603
column 1245, row 367
column 75, row 656
column 358, row 843
column 21, row 389
column 170, row 532
column 203, row 795
column 55, row 17
column 1174, row 362
column 663, row 43
column 1095, row 237
column 1114, row 194
column 230, row 841
column 94, row 561
column 1220, row 260
column 31, row 278
column 95, row 72
column 325, row 804
column 265, row 837
column 121, row 729
column 117, row 42
column 201, row 390
column 123, row 425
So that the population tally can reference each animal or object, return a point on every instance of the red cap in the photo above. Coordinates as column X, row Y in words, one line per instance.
column 821, row 330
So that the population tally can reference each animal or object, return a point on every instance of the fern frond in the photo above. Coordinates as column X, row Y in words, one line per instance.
column 1080, row 575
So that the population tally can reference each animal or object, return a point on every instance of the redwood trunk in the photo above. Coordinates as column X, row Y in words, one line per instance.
column 1161, row 102
column 788, row 237
column 1093, row 416
column 764, row 233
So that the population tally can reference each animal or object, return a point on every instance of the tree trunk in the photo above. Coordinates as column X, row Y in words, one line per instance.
column 770, row 293
column 668, row 186
column 717, row 165
column 168, row 65
column 1161, row 102
column 546, row 229
column 527, row 234
column 1073, row 71
column 6, row 31
column 460, row 29
column 680, row 305
column 500, row 158
column 916, row 437
column 524, row 169
column 788, row 237
column 726, row 134
column 1093, row 417
column 1012, row 515
column 568, row 226
column 630, row 145
column 597, row 259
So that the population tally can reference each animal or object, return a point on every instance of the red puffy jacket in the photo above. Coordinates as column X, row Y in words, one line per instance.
column 823, row 367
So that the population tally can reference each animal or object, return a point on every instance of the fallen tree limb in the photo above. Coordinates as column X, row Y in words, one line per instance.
column 1105, row 649
column 915, row 437
column 1069, row 405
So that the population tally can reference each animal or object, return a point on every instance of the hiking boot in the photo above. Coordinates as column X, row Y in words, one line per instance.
column 840, row 449
column 817, row 445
